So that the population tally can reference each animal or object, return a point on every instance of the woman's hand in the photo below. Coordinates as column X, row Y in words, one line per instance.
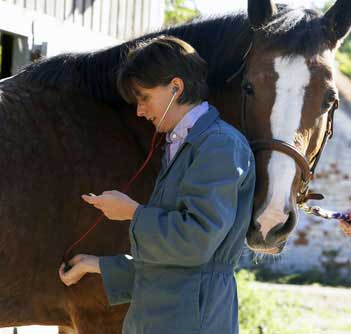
column 345, row 226
column 114, row 204
column 81, row 264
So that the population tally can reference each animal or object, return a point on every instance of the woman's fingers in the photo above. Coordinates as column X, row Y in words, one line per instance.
column 90, row 199
column 96, row 201
column 73, row 275
column 346, row 228
column 64, row 278
column 76, row 259
column 62, row 270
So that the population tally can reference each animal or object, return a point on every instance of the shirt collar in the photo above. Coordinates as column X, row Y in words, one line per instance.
column 181, row 130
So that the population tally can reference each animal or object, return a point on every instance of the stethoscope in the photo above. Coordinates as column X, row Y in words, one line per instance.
column 153, row 146
column 174, row 92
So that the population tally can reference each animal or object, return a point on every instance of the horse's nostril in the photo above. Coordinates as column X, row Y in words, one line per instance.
column 257, row 225
column 275, row 229
column 280, row 232
column 288, row 210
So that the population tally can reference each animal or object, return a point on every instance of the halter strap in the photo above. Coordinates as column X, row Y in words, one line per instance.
column 242, row 66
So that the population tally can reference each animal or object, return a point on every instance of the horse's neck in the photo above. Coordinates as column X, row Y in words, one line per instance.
column 221, row 42
column 227, row 100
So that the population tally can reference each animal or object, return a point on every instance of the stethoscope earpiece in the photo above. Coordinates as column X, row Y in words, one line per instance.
column 174, row 91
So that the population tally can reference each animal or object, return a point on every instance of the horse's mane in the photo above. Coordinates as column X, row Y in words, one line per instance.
column 94, row 73
column 221, row 41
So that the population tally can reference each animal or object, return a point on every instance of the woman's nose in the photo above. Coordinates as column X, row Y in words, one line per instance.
column 140, row 110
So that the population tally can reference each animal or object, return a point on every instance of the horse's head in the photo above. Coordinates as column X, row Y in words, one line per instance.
column 290, row 96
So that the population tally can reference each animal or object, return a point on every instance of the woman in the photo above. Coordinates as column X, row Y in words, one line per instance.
column 187, row 239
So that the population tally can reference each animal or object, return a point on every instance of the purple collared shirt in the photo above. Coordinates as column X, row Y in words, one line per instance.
column 176, row 137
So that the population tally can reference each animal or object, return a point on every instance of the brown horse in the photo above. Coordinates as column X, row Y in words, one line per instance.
column 66, row 131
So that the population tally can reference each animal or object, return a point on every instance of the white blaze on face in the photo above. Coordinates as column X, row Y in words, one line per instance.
column 293, row 78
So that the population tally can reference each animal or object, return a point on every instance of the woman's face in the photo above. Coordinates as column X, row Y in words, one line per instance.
column 153, row 102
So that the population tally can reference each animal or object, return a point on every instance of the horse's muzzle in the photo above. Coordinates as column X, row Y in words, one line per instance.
column 276, row 238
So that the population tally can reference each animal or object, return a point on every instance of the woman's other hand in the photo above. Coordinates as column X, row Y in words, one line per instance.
column 81, row 264
column 345, row 226
column 114, row 204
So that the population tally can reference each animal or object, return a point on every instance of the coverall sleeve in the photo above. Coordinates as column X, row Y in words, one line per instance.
column 118, row 277
column 205, row 208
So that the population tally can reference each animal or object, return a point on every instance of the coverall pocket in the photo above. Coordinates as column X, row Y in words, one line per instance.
column 171, row 301
column 203, row 297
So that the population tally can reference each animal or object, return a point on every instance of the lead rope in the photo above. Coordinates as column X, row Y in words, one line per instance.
column 153, row 146
column 326, row 214
column 317, row 210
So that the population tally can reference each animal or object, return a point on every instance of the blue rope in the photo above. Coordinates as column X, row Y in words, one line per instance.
column 327, row 214
column 343, row 216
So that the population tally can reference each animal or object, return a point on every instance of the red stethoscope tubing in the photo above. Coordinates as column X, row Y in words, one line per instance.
column 153, row 146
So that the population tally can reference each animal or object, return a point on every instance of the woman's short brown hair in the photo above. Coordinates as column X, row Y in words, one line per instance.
column 156, row 61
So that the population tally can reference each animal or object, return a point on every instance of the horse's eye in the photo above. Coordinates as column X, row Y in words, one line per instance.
column 329, row 99
column 248, row 89
column 328, row 104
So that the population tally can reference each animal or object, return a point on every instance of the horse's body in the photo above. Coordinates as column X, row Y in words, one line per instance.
column 65, row 132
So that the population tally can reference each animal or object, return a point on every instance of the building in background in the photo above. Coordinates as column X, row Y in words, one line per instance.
column 30, row 29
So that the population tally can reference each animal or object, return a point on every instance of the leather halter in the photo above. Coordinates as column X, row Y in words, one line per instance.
column 307, row 168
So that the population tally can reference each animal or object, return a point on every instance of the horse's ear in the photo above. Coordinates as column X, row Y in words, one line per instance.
column 260, row 11
column 337, row 21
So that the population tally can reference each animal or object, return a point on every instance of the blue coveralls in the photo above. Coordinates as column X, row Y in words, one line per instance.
column 187, row 240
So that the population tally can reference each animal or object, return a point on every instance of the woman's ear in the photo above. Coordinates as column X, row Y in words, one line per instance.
column 177, row 85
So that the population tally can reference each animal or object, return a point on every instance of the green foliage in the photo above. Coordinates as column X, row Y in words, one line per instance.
column 344, row 60
column 266, row 308
column 313, row 276
column 346, row 45
column 262, row 311
column 180, row 11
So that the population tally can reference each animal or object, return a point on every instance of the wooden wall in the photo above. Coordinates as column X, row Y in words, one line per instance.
column 120, row 19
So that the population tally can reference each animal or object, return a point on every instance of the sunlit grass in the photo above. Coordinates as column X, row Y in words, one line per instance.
column 283, row 309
